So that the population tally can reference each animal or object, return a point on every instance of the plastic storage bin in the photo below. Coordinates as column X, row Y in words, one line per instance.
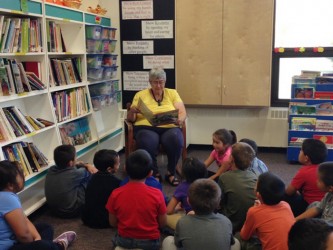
column 94, row 61
column 94, row 46
column 93, row 32
column 113, row 33
column 113, row 44
column 107, row 72
column 106, row 33
column 110, row 60
column 95, row 74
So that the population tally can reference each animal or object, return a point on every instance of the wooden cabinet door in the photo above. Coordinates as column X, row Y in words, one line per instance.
column 247, row 52
column 199, row 51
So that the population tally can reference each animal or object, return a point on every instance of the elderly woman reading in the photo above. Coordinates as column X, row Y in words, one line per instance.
column 159, row 99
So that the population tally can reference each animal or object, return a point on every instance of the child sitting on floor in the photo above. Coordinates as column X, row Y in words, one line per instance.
column 303, row 189
column 257, row 166
column 66, row 182
column 223, row 139
column 324, row 208
column 192, row 169
column 99, row 188
column 17, row 231
column 238, row 185
column 268, row 222
column 135, row 209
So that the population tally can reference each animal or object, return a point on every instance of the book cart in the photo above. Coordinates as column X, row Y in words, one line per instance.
column 310, row 116
column 33, row 121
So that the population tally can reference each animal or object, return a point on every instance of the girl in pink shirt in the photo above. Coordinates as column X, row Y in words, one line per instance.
column 223, row 139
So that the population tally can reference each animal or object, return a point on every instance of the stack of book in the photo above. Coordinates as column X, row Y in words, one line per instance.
column 16, row 80
column 30, row 158
column 71, row 103
column 64, row 71
column 20, row 35
column 14, row 124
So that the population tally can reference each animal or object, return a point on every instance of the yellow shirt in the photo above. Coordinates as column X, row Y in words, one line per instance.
column 170, row 97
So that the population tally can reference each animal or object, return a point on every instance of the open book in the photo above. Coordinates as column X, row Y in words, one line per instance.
column 163, row 118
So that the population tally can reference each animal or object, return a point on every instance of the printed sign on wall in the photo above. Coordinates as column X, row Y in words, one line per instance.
column 138, row 47
column 136, row 80
column 157, row 29
column 137, row 10
column 166, row 62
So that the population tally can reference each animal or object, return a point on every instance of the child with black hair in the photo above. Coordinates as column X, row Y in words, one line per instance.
column 303, row 189
column 101, row 185
column 17, row 231
column 66, row 182
column 257, row 165
column 268, row 222
column 204, row 229
column 310, row 234
column 324, row 208
column 135, row 209
column 237, row 185
column 223, row 139
column 192, row 170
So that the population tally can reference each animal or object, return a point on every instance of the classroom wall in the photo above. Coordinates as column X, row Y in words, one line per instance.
column 267, row 126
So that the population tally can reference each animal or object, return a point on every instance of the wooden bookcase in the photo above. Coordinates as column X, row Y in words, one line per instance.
column 105, row 125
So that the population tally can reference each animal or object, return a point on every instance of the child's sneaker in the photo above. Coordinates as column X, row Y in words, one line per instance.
column 65, row 239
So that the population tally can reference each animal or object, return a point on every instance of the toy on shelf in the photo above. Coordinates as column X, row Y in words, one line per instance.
column 98, row 10
column 72, row 3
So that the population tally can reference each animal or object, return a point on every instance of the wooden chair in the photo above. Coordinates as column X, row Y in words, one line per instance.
column 130, row 144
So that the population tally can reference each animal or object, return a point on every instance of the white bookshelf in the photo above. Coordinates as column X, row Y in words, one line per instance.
column 105, row 124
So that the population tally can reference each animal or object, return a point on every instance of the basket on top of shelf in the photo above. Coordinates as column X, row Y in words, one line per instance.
column 72, row 3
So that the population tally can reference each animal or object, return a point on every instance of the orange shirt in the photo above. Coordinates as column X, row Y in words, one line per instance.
column 271, row 224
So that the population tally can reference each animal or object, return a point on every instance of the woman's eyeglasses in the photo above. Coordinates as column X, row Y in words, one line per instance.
column 156, row 82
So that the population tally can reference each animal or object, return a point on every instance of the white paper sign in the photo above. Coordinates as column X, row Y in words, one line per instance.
column 136, row 80
column 138, row 47
column 166, row 62
column 137, row 9
column 157, row 29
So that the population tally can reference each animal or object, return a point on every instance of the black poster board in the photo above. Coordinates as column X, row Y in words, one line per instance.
column 130, row 30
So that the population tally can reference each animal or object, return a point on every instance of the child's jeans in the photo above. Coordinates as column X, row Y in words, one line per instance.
column 136, row 243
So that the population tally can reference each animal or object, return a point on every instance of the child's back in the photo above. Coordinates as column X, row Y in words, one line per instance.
column 303, row 189
column 65, row 184
column 99, row 188
column 205, row 229
column 257, row 166
column 238, row 185
column 270, row 219
column 136, row 209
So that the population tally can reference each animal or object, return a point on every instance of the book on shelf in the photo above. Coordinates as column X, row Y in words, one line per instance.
column 303, row 109
column 323, row 95
column 76, row 132
column 296, row 141
column 34, row 81
column 157, row 119
column 310, row 73
column 324, row 125
column 324, row 79
column 13, row 123
column 7, row 126
column 324, row 108
column 303, row 123
column 303, row 79
column 5, row 85
column 327, row 139
column 24, row 78
column 33, row 66
column 303, row 92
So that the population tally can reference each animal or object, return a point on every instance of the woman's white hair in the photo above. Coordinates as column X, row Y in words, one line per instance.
column 157, row 73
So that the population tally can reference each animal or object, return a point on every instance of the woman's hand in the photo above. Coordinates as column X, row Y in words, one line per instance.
column 131, row 113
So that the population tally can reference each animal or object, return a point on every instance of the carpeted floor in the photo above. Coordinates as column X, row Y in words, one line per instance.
column 91, row 239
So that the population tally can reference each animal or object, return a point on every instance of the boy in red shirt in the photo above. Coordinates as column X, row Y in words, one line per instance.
column 135, row 209
column 270, row 219
column 303, row 189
